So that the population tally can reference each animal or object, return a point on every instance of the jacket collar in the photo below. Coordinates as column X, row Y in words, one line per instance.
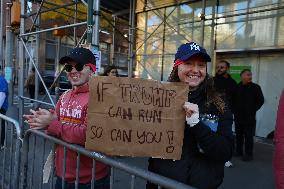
column 197, row 95
column 223, row 77
column 81, row 89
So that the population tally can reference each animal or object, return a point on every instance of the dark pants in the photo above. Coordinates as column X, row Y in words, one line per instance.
column 31, row 89
column 2, row 111
column 244, row 137
column 99, row 184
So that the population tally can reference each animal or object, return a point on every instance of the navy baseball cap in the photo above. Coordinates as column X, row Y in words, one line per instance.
column 79, row 55
column 187, row 50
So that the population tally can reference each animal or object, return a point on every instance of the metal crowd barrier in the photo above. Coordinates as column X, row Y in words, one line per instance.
column 23, row 161
column 31, row 177
column 10, row 153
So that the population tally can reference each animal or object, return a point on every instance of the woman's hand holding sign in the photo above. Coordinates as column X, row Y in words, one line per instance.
column 192, row 113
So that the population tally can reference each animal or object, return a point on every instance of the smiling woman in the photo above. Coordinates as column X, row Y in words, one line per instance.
column 208, row 138
column 193, row 71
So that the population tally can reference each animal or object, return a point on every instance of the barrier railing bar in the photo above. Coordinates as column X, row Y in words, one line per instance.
column 4, row 158
column 13, row 181
column 11, row 152
column 77, row 171
column 24, row 171
column 42, row 162
column 147, row 175
column 16, row 125
column 93, row 174
column 111, row 177
column 64, row 167
column 133, row 181
column 52, row 166
column 17, row 164
column 32, row 168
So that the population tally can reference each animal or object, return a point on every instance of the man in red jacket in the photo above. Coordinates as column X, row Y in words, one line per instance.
column 278, row 160
column 68, row 122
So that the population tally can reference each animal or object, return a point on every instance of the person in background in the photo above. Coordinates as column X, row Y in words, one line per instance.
column 30, row 83
column 224, row 83
column 226, row 86
column 249, row 99
column 278, row 158
column 4, row 105
column 110, row 71
column 208, row 139
column 69, row 123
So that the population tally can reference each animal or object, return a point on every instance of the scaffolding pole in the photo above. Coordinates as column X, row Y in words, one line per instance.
column 75, row 21
column 212, row 42
column 21, row 65
column 37, row 71
column 37, row 48
column 55, row 28
column 82, row 38
column 36, row 16
column 112, row 58
column 96, row 25
column 1, row 34
column 202, row 17
column 90, row 21
column 48, row 10
column 24, row 49
column 57, row 67
column 131, row 55
column 163, row 51
column 9, row 52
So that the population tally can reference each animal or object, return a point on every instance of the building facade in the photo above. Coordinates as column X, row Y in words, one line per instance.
column 247, row 33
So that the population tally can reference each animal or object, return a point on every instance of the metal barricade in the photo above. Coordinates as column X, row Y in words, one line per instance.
column 31, row 171
column 10, row 152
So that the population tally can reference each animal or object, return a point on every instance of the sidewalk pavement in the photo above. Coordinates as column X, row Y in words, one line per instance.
column 256, row 174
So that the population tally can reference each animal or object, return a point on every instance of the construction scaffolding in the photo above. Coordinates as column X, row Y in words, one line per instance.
column 155, row 29
column 23, row 44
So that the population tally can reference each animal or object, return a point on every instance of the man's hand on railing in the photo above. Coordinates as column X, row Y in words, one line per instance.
column 40, row 119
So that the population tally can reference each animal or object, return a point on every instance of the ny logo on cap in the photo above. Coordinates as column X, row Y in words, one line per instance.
column 195, row 46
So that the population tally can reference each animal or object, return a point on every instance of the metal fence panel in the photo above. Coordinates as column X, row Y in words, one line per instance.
column 10, row 152
column 133, row 172
column 36, row 149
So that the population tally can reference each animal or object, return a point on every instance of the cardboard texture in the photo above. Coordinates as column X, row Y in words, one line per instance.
column 136, row 117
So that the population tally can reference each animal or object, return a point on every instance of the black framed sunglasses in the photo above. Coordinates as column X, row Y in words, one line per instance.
column 78, row 67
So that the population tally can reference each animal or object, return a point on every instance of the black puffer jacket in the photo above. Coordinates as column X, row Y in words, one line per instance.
column 203, row 170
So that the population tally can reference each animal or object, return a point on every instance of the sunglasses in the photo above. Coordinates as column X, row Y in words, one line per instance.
column 78, row 67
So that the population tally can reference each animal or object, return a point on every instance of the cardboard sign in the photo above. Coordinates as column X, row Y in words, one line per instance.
column 136, row 117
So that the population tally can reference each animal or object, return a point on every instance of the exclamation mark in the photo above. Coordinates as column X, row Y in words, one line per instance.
column 170, row 148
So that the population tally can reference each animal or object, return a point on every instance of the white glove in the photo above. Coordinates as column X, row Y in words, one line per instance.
column 192, row 113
